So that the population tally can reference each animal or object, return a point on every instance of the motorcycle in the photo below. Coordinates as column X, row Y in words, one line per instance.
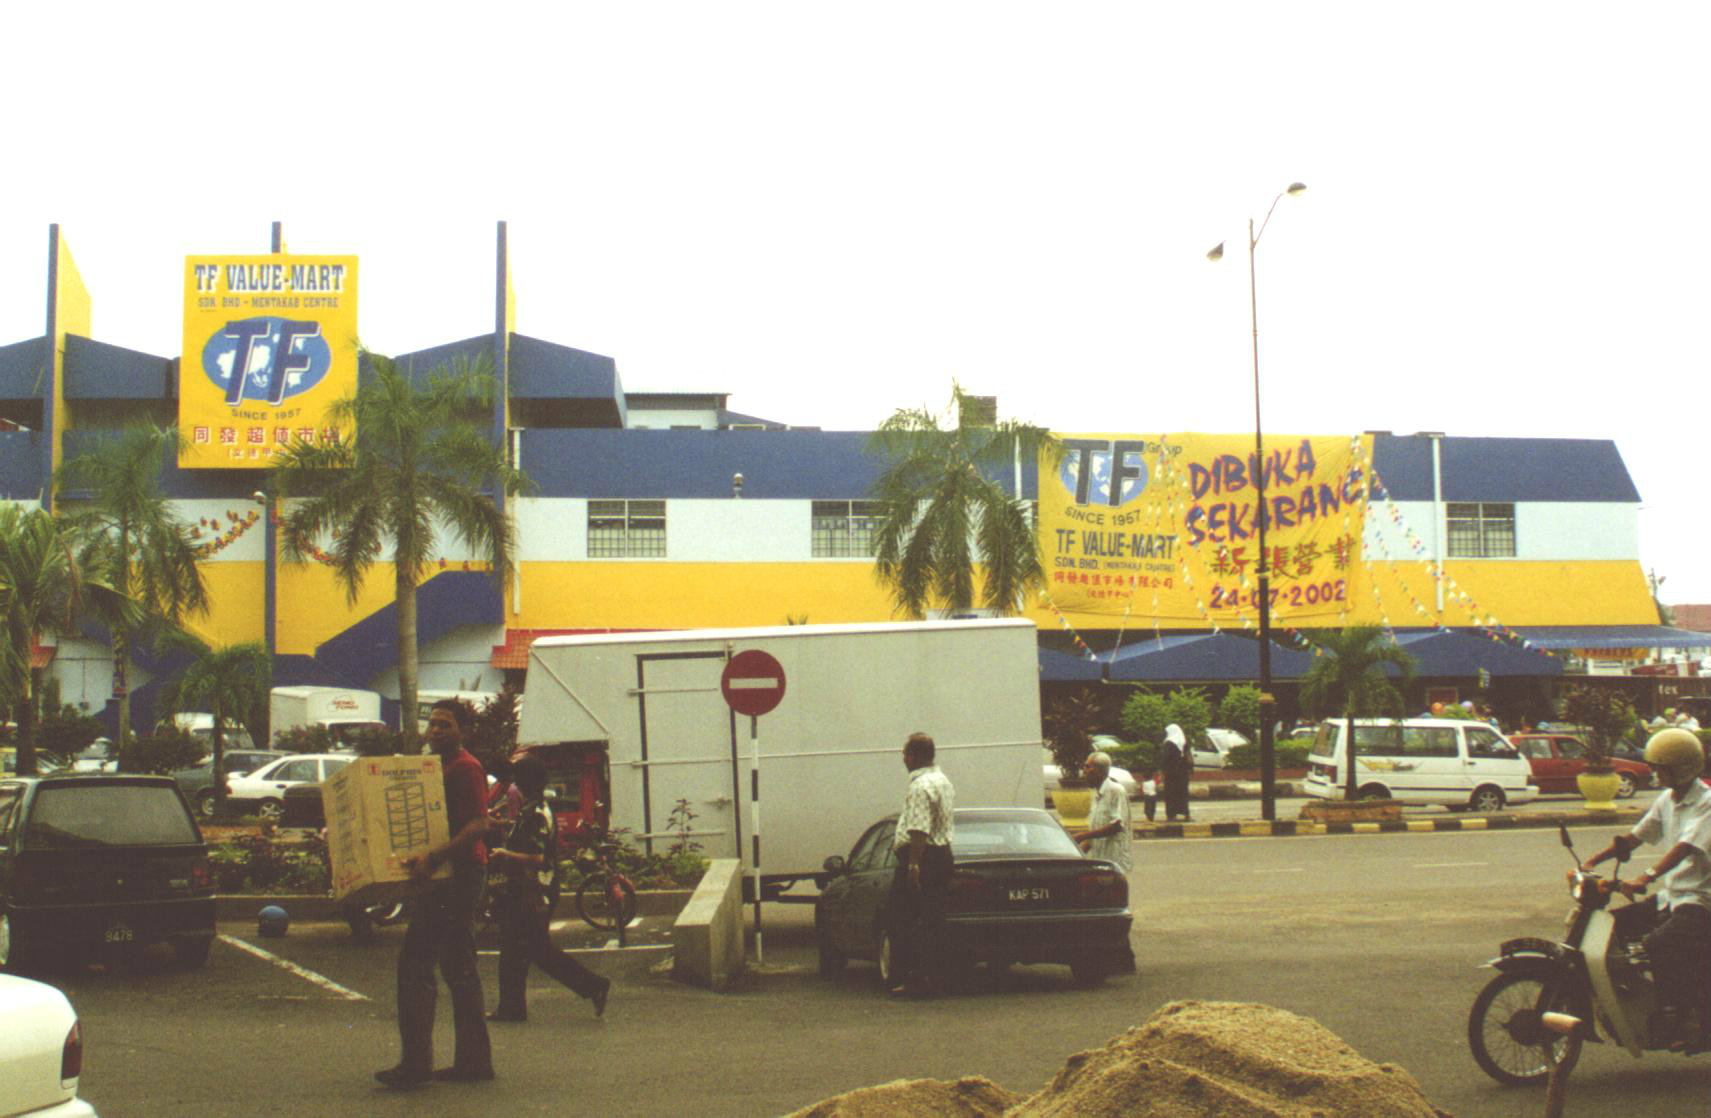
column 1595, row 985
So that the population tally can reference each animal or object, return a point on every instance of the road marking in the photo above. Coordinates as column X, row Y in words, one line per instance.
column 1291, row 869
column 301, row 972
column 603, row 950
column 1447, row 865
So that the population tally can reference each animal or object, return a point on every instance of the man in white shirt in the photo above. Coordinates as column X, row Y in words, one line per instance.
column 1110, row 833
column 923, row 845
column 1680, row 947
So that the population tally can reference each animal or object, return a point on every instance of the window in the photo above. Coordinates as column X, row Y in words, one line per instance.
column 295, row 770
column 1429, row 741
column 1487, row 743
column 626, row 529
column 1480, row 530
column 845, row 529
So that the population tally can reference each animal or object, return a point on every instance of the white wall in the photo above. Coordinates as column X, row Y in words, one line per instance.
column 725, row 530
column 1544, row 530
column 658, row 418
column 458, row 661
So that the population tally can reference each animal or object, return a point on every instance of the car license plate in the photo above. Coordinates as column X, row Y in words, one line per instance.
column 118, row 933
column 1032, row 893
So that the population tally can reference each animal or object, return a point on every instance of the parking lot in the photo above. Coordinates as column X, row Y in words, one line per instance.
column 1380, row 938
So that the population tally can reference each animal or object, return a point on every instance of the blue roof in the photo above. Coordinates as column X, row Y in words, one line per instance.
column 1490, row 469
column 1612, row 636
column 1463, row 652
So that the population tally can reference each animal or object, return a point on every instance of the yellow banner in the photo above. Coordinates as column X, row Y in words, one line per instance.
column 1167, row 528
column 270, row 341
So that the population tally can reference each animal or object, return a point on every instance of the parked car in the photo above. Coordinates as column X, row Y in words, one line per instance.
column 1021, row 892
column 1460, row 764
column 1054, row 775
column 99, row 757
column 91, row 862
column 9, row 762
column 198, row 780
column 264, row 789
column 1212, row 751
column 41, row 1052
column 1557, row 759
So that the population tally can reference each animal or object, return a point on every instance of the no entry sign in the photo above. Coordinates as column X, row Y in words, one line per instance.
column 752, row 683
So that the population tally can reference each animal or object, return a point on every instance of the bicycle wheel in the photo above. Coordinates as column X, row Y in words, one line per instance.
column 606, row 902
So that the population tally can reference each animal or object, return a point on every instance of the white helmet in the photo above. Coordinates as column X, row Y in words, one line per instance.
column 1677, row 754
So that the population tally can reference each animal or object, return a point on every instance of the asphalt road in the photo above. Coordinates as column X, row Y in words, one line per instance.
column 1380, row 938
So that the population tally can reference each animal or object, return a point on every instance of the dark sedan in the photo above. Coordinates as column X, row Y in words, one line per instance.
column 1021, row 892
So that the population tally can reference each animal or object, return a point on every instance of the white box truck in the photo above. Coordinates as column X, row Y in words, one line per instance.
column 831, row 752
column 338, row 709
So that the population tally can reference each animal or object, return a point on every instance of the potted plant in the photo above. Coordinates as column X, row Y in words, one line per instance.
column 1605, row 715
column 1070, row 721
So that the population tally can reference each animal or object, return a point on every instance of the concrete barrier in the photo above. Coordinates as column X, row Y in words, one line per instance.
column 707, row 939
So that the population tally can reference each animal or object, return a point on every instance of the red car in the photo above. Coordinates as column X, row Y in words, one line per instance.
column 1558, row 758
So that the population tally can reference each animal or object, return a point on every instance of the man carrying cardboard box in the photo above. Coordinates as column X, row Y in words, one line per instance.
column 442, row 922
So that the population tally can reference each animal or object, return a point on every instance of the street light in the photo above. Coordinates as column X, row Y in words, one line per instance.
column 1267, row 745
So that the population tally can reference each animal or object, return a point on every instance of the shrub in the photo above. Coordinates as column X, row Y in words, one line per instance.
column 66, row 733
column 1145, row 715
column 1290, row 753
column 165, row 751
column 260, row 864
column 305, row 739
column 376, row 742
column 1240, row 710
column 1140, row 758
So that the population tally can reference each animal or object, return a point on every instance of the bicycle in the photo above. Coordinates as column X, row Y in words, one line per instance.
column 605, row 898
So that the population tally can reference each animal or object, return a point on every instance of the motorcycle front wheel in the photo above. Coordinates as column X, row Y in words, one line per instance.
column 1506, row 1038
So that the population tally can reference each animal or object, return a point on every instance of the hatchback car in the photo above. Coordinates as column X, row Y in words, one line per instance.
column 264, row 789
column 198, row 780
column 41, row 1052
column 1557, row 759
column 97, row 862
column 1212, row 751
column 1021, row 891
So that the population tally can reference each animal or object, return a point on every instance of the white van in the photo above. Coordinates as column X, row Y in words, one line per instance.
column 1421, row 761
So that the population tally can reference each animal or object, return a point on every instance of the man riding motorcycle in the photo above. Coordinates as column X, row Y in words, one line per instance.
column 1680, row 945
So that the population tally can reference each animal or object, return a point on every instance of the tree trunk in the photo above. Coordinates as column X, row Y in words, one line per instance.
column 407, row 658
column 27, row 723
column 122, row 639
column 219, row 788
column 1349, row 791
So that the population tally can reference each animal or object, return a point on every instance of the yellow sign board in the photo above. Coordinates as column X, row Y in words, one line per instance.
column 270, row 342
column 1166, row 527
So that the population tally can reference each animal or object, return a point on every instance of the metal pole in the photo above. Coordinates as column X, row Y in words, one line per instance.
column 1267, row 751
column 754, row 837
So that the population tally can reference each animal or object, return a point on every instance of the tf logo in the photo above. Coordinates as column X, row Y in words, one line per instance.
column 1104, row 472
column 266, row 358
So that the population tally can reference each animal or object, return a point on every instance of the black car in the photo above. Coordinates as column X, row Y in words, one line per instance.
column 198, row 780
column 100, row 862
column 1021, row 891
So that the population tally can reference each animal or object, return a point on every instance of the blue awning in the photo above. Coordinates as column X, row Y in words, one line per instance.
column 1202, row 658
column 1613, row 636
column 1062, row 667
column 1464, row 652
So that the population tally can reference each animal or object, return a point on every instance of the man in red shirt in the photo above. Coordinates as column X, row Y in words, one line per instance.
column 442, row 919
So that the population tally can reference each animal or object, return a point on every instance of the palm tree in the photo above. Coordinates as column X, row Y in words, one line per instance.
column 936, row 500
column 421, row 462
column 1349, row 679
column 112, row 500
column 231, row 683
column 44, row 587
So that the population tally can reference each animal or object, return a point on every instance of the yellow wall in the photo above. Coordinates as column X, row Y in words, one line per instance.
column 235, row 604
column 73, row 313
column 313, row 606
column 630, row 595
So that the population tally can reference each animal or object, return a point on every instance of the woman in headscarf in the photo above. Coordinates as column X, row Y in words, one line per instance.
column 1178, row 767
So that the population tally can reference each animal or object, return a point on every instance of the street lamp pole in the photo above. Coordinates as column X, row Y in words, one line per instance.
column 1267, row 701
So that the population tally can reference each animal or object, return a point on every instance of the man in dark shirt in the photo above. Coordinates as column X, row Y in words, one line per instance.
column 442, row 922
column 530, row 858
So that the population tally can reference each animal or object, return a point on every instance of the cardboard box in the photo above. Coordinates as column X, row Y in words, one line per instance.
column 381, row 810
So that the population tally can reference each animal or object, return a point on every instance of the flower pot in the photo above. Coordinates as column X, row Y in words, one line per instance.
column 1072, row 804
column 1599, row 790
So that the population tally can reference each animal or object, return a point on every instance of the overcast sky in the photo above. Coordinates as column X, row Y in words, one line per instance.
column 831, row 211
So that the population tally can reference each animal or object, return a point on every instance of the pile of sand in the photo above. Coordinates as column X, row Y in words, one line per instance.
column 1198, row 1059
column 1189, row 1060
column 972, row 1097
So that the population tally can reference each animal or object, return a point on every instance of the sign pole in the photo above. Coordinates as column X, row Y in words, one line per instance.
column 754, row 798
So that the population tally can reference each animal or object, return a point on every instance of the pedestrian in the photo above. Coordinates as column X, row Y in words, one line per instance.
column 441, row 931
column 1178, row 767
column 923, row 848
column 504, row 800
column 530, row 859
column 1149, row 793
column 1110, row 831
column 1679, row 946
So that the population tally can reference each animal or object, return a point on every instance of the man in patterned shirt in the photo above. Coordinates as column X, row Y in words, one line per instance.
column 923, row 847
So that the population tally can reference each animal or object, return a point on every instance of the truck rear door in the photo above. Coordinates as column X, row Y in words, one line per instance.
column 688, row 755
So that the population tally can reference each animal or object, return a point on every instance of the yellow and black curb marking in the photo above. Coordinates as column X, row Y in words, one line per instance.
column 1259, row 828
